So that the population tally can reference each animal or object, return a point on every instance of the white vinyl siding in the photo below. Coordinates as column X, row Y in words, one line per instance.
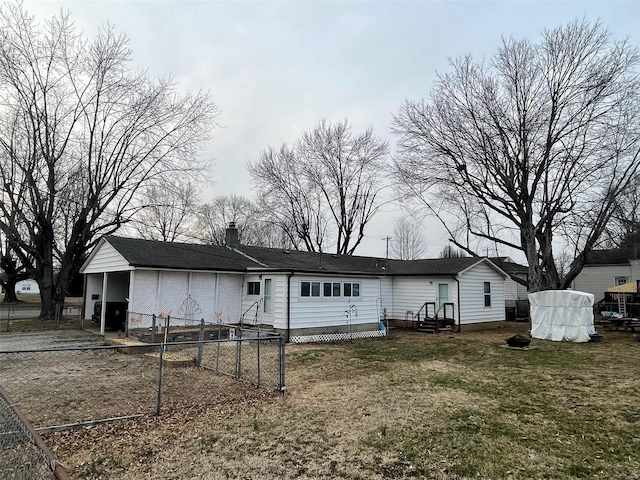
column 510, row 290
column 107, row 259
column 410, row 293
column 472, row 295
column 310, row 312
column 597, row 279
column 386, row 295
column 280, row 301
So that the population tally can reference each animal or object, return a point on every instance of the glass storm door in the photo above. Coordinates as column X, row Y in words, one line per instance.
column 443, row 294
column 268, row 296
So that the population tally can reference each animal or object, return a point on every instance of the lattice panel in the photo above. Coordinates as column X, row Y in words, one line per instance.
column 145, row 286
column 173, row 290
column 336, row 337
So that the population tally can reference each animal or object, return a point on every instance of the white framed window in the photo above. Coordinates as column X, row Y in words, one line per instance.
column 253, row 288
column 309, row 289
column 487, row 294
column 621, row 280
column 332, row 289
column 351, row 289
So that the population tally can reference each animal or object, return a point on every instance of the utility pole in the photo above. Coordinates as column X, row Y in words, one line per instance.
column 387, row 240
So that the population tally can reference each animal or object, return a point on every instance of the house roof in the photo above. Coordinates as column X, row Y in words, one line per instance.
column 173, row 255
column 436, row 266
column 274, row 258
column 612, row 256
column 185, row 256
column 508, row 266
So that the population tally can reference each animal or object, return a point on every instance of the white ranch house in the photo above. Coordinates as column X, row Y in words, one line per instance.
column 300, row 294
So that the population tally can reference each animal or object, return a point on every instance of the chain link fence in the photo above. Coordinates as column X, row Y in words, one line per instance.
column 23, row 317
column 62, row 387
column 23, row 454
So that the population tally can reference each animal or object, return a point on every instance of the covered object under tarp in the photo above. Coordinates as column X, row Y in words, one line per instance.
column 562, row 315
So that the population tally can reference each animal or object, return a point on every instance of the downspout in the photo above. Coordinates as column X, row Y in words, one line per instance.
column 459, row 312
column 288, row 306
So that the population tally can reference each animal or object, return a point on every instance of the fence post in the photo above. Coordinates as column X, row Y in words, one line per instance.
column 162, row 349
column 56, row 317
column 153, row 328
column 218, row 346
column 126, row 323
column 239, row 354
column 281, row 382
column 258, row 358
column 201, row 343
column 166, row 331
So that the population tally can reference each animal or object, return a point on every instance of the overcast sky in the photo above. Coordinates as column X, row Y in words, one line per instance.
column 277, row 68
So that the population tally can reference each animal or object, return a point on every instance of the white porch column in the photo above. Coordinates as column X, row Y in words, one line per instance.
column 103, row 311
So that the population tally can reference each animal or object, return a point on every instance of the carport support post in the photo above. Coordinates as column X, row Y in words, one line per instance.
column 103, row 312
column 200, row 343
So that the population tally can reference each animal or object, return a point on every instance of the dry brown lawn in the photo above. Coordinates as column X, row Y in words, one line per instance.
column 408, row 406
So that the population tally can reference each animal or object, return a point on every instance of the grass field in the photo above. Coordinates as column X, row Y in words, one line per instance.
column 408, row 406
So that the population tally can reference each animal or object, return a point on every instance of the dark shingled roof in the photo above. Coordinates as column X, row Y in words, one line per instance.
column 154, row 254
column 613, row 256
column 316, row 262
column 509, row 267
column 432, row 266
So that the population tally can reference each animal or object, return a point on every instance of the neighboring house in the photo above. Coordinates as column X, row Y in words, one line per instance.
column 608, row 268
column 300, row 294
column 513, row 290
column 27, row 286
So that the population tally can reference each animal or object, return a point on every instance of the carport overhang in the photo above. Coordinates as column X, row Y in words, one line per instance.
column 99, row 284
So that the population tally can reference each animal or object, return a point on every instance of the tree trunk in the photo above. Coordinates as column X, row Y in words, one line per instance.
column 10, row 291
column 14, row 274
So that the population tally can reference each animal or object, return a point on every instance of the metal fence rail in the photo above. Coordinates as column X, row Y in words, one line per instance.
column 23, row 454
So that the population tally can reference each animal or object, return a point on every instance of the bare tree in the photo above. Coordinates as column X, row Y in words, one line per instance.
column 624, row 228
column 214, row 217
column 168, row 212
column 11, row 272
column 531, row 149
column 451, row 252
column 81, row 134
column 407, row 242
column 326, row 185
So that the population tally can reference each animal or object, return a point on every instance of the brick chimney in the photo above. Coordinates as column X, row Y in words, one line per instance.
column 231, row 237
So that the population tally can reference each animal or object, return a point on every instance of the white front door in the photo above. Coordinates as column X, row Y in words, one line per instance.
column 443, row 294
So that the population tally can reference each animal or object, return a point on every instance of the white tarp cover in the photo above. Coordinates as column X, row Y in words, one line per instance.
column 562, row 315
